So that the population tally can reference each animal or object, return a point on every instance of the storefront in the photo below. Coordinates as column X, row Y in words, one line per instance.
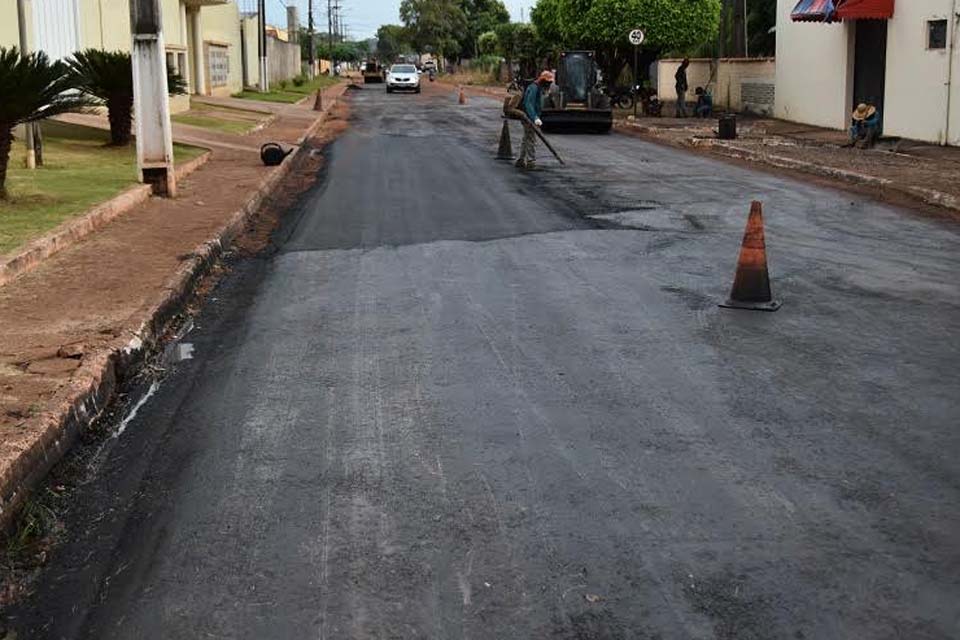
column 898, row 56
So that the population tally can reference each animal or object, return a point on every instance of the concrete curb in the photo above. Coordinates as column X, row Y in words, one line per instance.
column 91, row 388
column 723, row 148
column 72, row 231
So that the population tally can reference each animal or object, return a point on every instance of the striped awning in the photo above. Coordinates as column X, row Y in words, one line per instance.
column 833, row 10
column 814, row 11
column 865, row 10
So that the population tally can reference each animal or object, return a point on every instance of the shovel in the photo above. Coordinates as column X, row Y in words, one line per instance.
column 521, row 115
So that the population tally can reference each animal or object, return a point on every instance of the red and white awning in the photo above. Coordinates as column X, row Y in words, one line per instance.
column 865, row 10
column 834, row 10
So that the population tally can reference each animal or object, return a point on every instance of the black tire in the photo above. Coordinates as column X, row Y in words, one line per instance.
column 418, row 90
column 389, row 90
column 623, row 101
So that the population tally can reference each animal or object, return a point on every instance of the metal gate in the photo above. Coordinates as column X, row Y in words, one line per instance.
column 56, row 27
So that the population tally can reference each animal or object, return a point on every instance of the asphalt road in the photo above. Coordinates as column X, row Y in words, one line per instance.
column 461, row 401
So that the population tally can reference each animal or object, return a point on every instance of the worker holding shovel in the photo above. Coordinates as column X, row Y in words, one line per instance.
column 531, row 106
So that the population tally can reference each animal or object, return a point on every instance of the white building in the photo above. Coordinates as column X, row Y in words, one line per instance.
column 901, row 55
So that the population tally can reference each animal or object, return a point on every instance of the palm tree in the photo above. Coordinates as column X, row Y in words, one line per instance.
column 33, row 88
column 107, row 77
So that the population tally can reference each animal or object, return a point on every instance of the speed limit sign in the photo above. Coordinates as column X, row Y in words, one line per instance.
column 636, row 37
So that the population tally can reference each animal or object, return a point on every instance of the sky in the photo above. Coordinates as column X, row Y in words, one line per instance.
column 361, row 18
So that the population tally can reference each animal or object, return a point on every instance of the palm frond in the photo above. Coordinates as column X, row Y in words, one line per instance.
column 107, row 74
column 34, row 88
column 102, row 74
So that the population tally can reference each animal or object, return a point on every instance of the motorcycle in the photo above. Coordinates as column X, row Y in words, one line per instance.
column 623, row 97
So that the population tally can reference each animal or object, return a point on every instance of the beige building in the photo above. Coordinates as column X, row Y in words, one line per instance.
column 901, row 55
column 201, row 37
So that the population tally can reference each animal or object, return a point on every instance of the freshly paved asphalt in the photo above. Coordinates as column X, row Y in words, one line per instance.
column 463, row 402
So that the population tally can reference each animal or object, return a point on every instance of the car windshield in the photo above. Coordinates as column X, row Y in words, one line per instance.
column 403, row 68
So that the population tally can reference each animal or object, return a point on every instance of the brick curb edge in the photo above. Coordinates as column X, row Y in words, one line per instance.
column 90, row 390
column 69, row 233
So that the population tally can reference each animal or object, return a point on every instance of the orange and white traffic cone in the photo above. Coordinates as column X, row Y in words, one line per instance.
column 751, row 285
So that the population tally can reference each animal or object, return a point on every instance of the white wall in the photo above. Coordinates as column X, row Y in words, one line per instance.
column 814, row 70
column 699, row 74
column 723, row 80
column 915, row 102
column 954, row 134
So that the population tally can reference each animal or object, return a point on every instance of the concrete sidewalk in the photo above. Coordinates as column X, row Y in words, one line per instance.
column 75, row 321
column 916, row 171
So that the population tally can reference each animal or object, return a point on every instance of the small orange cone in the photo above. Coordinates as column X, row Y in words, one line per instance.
column 462, row 98
column 751, row 285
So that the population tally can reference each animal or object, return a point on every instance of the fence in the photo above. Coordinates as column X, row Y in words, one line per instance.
column 283, row 60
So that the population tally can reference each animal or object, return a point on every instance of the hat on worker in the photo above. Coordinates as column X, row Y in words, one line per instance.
column 863, row 111
column 545, row 76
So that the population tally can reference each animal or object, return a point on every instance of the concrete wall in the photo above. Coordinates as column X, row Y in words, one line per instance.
column 251, row 64
column 736, row 84
column 814, row 74
column 221, row 26
column 9, row 25
column 105, row 24
column 699, row 74
column 917, row 83
column 283, row 60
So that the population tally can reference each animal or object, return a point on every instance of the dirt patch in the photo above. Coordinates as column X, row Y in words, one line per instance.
column 306, row 171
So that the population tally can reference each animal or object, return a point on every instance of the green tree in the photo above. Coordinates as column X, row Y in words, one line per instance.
column 392, row 41
column 487, row 43
column 481, row 16
column 33, row 88
column 340, row 51
column 761, row 20
column 603, row 25
column 520, row 42
column 437, row 26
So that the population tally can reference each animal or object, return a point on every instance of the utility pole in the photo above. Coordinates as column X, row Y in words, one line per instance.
column 311, row 45
column 262, row 39
column 24, row 50
column 330, row 35
column 150, row 103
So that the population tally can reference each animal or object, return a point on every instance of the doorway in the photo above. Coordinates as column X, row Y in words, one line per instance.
column 870, row 63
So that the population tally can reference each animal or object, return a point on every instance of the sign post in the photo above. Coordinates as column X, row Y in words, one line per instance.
column 636, row 38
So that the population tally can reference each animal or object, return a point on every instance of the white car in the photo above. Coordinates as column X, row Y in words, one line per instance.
column 403, row 77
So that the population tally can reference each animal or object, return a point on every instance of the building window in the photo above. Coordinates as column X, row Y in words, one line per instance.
column 172, row 61
column 936, row 34
column 219, row 65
